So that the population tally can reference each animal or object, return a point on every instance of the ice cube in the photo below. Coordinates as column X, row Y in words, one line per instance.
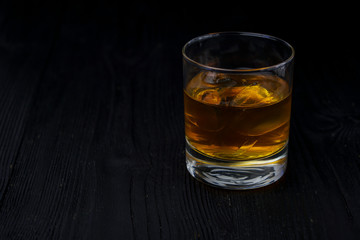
column 218, row 79
column 202, row 80
column 228, row 93
column 210, row 96
column 253, row 95
column 208, row 77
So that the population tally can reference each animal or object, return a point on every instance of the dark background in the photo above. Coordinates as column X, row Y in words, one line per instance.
column 91, row 123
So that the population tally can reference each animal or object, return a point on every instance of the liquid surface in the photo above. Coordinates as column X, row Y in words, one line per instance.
column 237, row 117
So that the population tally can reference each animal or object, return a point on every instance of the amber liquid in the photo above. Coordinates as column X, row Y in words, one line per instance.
column 237, row 117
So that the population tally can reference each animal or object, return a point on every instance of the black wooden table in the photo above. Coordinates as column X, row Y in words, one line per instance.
column 92, row 136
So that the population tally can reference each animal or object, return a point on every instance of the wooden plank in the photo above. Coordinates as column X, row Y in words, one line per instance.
column 25, row 49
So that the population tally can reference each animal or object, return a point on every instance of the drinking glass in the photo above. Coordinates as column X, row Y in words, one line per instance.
column 237, row 102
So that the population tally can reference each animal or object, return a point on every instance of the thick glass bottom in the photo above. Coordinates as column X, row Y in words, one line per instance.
column 236, row 175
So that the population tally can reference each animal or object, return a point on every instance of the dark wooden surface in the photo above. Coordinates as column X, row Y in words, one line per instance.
column 91, row 123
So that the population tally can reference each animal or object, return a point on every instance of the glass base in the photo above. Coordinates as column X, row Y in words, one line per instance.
column 236, row 175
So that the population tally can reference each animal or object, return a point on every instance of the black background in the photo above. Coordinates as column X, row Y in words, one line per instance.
column 91, row 123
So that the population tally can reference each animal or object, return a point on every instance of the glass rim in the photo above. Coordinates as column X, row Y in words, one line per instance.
column 247, row 70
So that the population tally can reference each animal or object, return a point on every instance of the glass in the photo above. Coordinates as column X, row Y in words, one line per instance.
column 237, row 102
